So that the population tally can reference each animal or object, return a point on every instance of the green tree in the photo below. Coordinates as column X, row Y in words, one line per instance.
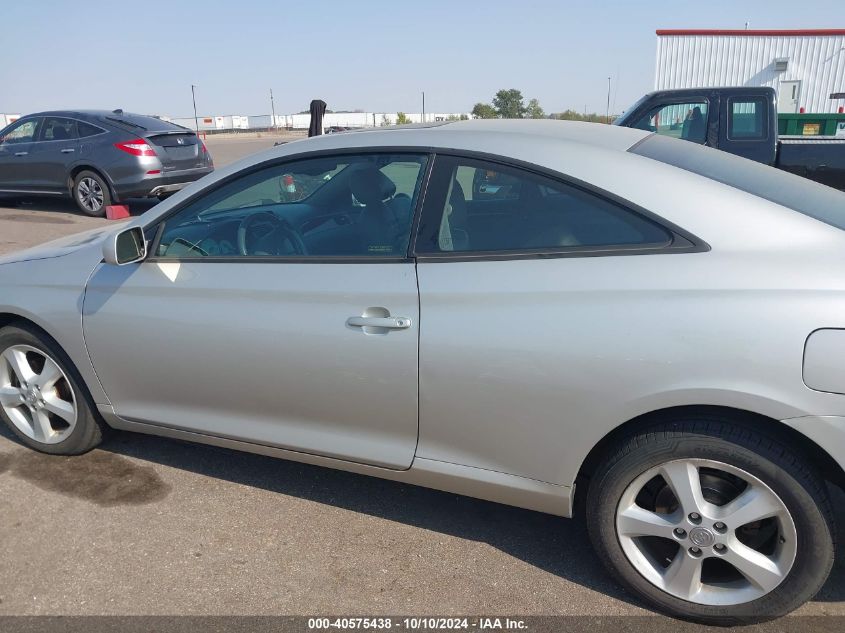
column 402, row 118
column 385, row 120
column 572, row 115
column 484, row 111
column 534, row 111
column 509, row 104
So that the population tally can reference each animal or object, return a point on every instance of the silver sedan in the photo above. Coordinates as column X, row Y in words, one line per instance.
column 551, row 315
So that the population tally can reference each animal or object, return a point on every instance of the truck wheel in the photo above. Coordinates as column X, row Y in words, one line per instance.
column 712, row 522
column 91, row 193
column 43, row 400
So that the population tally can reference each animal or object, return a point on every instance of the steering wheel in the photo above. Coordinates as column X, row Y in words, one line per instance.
column 281, row 230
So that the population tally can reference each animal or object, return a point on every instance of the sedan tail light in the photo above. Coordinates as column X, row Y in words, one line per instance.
column 137, row 147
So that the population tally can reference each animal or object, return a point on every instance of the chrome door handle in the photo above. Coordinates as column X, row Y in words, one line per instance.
column 69, row 150
column 387, row 323
column 21, row 153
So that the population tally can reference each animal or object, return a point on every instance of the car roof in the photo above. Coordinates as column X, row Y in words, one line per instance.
column 465, row 135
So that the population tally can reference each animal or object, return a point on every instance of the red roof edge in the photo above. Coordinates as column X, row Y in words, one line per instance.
column 750, row 32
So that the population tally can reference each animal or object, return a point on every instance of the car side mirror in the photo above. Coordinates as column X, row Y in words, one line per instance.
column 125, row 247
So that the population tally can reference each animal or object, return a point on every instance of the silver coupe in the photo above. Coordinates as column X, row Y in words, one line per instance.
column 557, row 316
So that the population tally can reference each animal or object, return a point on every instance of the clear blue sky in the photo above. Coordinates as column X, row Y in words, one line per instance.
column 143, row 55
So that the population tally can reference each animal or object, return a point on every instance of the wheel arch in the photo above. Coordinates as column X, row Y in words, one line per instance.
column 78, row 169
column 765, row 425
column 8, row 318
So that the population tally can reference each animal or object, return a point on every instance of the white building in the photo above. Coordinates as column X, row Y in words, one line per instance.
column 804, row 66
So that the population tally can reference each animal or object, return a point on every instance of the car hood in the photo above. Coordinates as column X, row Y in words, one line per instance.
column 62, row 246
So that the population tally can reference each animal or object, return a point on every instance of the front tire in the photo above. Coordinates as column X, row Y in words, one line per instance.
column 91, row 193
column 712, row 522
column 43, row 400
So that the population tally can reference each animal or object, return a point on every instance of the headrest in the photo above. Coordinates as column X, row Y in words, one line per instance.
column 371, row 187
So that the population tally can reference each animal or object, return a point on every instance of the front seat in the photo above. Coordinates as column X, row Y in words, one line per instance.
column 378, row 229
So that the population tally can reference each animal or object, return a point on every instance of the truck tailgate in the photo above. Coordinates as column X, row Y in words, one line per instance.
column 820, row 159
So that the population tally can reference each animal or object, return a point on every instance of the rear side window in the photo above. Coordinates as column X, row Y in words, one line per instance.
column 58, row 129
column 86, row 129
column 746, row 119
column 486, row 207
column 797, row 193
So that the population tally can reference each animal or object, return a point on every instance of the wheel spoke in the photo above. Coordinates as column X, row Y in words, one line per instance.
column 41, row 426
column 19, row 364
column 49, row 375
column 753, row 504
column 636, row 521
column 59, row 407
column 10, row 397
column 757, row 568
column 683, row 478
column 683, row 576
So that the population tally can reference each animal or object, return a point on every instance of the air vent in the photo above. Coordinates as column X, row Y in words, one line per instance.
column 781, row 64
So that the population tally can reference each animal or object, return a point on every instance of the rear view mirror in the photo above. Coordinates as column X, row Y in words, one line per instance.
column 126, row 247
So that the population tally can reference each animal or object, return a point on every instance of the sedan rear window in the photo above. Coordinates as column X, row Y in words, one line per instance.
column 799, row 194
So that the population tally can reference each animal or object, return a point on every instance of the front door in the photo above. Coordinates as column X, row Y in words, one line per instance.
column 788, row 94
column 279, row 308
column 15, row 145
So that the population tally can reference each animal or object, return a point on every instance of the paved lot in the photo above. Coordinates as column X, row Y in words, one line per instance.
column 152, row 526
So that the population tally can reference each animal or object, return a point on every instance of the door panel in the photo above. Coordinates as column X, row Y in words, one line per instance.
column 15, row 147
column 262, row 352
column 51, row 156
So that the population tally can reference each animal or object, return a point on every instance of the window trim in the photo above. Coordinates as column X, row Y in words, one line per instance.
column 682, row 241
column 760, row 101
column 298, row 259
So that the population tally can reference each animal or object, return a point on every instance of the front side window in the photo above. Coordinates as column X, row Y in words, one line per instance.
column 538, row 214
column 58, row 129
column 686, row 121
column 341, row 206
column 20, row 132
column 747, row 119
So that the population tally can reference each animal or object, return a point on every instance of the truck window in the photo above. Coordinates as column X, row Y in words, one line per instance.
column 686, row 121
column 746, row 119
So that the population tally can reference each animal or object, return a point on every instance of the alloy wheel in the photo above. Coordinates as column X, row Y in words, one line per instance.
column 90, row 194
column 36, row 395
column 706, row 532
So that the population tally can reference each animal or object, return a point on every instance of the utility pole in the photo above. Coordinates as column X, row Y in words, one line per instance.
column 423, row 110
column 196, row 118
column 607, row 111
column 272, row 109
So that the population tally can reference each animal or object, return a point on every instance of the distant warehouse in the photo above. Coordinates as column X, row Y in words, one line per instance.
column 805, row 67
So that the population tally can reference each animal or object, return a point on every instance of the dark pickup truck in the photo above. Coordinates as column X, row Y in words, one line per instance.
column 741, row 121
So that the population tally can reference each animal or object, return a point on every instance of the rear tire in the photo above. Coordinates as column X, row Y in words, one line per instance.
column 636, row 519
column 91, row 193
column 43, row 399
